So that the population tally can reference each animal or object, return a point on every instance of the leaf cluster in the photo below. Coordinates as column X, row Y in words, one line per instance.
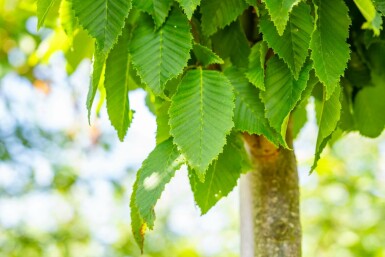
column 215, row 69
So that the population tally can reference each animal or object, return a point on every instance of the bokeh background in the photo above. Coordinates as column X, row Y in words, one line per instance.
column 65, row 184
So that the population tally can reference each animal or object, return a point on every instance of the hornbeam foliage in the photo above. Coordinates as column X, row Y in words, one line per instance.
column 104, row 20
column 216, row 69
column 201, row 115
column 330, row 52
column 117, row 84
column 293, row 44
column 282, row 93
column 221, row 176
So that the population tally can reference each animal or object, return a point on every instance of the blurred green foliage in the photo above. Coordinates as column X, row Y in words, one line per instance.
column 343, row 205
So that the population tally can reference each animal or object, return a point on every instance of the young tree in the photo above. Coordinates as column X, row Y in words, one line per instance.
column 228, row 81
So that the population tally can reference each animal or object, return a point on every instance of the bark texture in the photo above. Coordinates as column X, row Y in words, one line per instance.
column 273, row 193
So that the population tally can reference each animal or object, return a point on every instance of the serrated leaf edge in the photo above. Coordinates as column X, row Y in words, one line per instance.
column 191, row 164
column 89, row 34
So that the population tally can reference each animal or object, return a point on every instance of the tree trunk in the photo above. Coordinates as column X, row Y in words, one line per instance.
column 270, row 220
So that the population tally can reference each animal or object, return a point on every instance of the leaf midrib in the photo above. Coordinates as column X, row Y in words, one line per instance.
column 321, row 45
column 125, row 101
column 202, row 115
column 106, row 26
column 41, row 21
column 160, row 57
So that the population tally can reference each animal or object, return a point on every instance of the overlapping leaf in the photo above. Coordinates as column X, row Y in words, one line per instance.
column 328, row 120
column 160, row 55
column 373, row 19
column 366, row 8
column 138, row 226
column 380, row 6
column 232, row 42
column 249, row 112
column 279, row 11
column 292, row 46
column 156, row 171
column 157, row 9
column 369, row 105
column 206, row 56
column 251, row 2
column 256, row 69
column 216, row 14
column 43, row 7
column 189, row 6
column 330, row 52
column 221, row 176
column 99, row 60
column 83, row 47
column 376, row 57
column 282, row 92
column 346, row 122
column 299, row 117
column 67, row 17
column 162, row 118
column 103, row 19
column 117, row 85
column 201, row 116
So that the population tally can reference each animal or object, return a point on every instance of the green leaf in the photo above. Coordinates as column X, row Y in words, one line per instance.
column 330, row 52
column 369, row 106
column 97, row 78
column 279, row 11
column 83, row 46
column 156, row 171
column 251, row 2
column 162, row 119
column 138, row 226
column 189, row 6
column 256, row 70
column 249, row 113
column 160, row 55
column 311, row 83
column 232, row 42
column 216, row 14
column 117, row 85
column 293, row 45
column 373, row 19
column 43, row 7
column 205, row 55
column 299, row 117
column 282, row 92
column 157, row 9
column 328, row 121
column 358, row 73
column 67, row 17
column 103, row 19
column 102, row 99
column 201, row 116
column 346, row 122
column 221, row 176
column 376, row 58
column 380, row 6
